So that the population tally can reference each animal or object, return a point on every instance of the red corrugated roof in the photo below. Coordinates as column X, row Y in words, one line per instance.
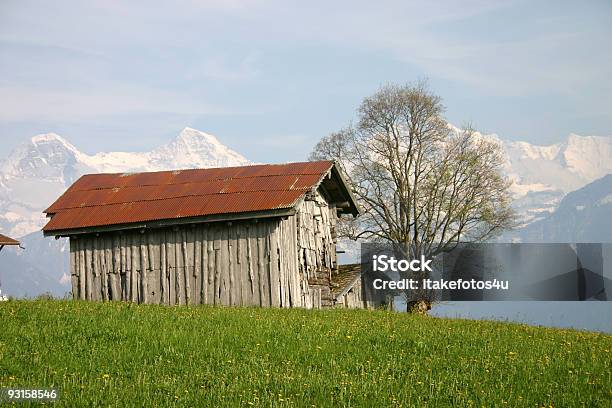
column 4, row 240
column 97, row 200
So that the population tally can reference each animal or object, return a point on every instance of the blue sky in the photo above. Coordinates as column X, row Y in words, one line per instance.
column 270, row 78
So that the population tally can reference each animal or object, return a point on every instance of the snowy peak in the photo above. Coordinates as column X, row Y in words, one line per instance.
column 542, row 175
column 564, row 166
column 33, row 175
column 47, row 156
column 193, row 148
column 192, row 136
column 588, row 156
column 535, row 152
column 52, row 139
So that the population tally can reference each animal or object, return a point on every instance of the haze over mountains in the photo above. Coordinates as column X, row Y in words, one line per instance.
column 38, row 172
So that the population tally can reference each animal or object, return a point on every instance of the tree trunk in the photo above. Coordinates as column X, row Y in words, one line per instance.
column 418, row 306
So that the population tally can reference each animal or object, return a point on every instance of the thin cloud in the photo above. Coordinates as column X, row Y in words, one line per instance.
column 73, row 61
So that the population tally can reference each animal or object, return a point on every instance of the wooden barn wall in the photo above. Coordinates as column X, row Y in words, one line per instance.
column 370, row 297
column 363, row 295
column 242, row 263
column 316, row 239
column 353, row 299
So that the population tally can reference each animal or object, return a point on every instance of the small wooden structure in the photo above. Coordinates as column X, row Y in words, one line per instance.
column 4, row 240
column 350, row 288
column 255, row 235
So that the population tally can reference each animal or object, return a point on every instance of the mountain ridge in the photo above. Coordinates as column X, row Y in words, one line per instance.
column 543, row 174
column 583, row 215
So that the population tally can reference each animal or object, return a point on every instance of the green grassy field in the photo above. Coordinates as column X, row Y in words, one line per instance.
column 117, row 354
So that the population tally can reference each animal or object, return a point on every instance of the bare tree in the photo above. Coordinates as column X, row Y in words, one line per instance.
column 420, row 182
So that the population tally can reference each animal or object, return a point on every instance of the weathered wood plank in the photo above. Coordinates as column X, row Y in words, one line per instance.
column 212, row 263
column 108, row 252
column 128, row 268
column 231, row 261
column 116, row 254
column 296, row 270
column 82, row 272
column 178, row 265
column 251, row 242
column 122, row 267
column 218, row 266
column 98, row 262
column 241, row 281
column 163, row 271
column 262, row 265
column 197, row 265
column 245, row 282
column 144, row 290
column 278, row 239
column 134, row 278
column 224, row 287
column 272, row 255
column 96, row 283
column 88, row 270
column 186, row 267
column 114, row 282
column 284, row 253
column 204, row 278
column 153, row 273
column 74, row 277
column 289, row 256
column 170, row 259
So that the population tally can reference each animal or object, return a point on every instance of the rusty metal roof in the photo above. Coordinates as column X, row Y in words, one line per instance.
column 4, row 240
column 97, row 200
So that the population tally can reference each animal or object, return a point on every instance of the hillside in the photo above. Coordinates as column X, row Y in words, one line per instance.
column 117, row 354
column 584, row 215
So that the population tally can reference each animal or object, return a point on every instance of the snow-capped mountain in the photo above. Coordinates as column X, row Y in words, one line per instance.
column 543, row 175
column 583, row 215
column 191, row 149
column 38, row 172
column 31, row 177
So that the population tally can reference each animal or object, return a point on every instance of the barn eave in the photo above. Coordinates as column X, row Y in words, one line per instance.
column 252, row 215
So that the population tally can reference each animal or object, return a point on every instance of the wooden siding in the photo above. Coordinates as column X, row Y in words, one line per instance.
column 363, row 296
column 353, row 299
column 316, row 239
column 240, row 264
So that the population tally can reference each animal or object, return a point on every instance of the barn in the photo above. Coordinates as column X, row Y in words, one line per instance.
column 261, row 235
